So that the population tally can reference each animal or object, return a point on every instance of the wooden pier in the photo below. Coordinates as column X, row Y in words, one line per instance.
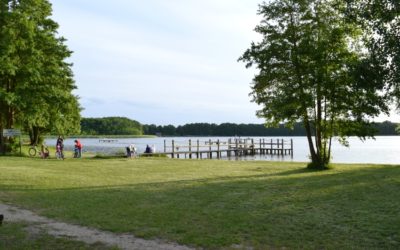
column 225, row 149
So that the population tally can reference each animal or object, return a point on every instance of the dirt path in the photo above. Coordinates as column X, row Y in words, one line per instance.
column 80, row 233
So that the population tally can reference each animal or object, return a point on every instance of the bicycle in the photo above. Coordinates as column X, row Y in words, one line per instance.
column 59, row 152
column 44, row 152
column 32, row 150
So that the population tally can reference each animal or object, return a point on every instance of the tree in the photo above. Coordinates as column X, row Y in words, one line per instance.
column 380, row 20
column 111, row 126
column 36, row 82
column 309, row 69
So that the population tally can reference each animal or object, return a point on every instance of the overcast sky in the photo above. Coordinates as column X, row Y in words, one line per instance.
column 161, row 61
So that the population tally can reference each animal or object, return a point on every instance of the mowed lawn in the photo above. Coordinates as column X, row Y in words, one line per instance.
column 214, row 203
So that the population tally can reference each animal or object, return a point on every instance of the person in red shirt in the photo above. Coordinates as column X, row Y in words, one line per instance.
column 78, row 149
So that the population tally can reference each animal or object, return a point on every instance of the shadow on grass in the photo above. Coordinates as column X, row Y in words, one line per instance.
column 297, row 208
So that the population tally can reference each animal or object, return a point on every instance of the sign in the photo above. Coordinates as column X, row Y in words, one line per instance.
column 11, row 132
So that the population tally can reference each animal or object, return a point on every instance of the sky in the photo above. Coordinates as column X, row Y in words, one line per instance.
column 162, row 62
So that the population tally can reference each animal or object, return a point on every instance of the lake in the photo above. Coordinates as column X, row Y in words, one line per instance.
column 384, row 149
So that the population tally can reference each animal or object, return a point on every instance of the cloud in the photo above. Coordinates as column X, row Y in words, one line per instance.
column 147, row 59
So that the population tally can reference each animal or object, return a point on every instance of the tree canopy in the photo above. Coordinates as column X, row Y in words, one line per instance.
column 36, row 81
column 111, row 126
column 311, row 68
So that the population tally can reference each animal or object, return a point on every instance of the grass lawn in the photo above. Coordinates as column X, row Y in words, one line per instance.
column 15, row 236
column 215, row 204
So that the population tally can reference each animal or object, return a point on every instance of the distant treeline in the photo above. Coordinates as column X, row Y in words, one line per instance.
column 110, row 126
column 232, row 129
column 125, row 126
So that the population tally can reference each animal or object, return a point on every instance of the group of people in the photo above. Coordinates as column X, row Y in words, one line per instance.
column 60, row 148
column 131, row 150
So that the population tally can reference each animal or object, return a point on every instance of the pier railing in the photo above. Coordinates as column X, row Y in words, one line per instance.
column 232, row 147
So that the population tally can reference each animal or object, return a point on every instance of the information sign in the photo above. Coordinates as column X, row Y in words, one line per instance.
column 11, row 132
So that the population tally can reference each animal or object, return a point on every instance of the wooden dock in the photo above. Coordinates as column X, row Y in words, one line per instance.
column 225, row 149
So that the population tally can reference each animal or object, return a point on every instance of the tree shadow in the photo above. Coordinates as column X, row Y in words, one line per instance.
column 292, row 208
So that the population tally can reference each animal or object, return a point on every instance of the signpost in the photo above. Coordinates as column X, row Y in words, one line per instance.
column 13, row 133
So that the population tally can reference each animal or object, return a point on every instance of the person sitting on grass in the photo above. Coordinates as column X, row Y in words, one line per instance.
column 148, row 150
column 131, row 151
column 132, row 148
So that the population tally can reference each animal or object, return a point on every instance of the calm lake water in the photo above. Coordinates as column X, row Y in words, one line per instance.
column 384, row 149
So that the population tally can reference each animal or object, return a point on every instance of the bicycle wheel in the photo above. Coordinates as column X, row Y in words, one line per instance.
column 32, row 152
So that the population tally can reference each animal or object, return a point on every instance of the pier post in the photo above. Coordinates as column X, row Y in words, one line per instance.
column 228, row 153
column 218, row 152
column 237, row 147
column 272, row 147
column 173, row 149
column 277, row 143
column 198, row 148
column 210, row 147
column 165, row 146
column 264, row 147
column 190, row 149
column 291, row 148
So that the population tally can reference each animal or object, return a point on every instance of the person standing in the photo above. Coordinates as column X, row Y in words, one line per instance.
column 60, row 147
column 78, row 149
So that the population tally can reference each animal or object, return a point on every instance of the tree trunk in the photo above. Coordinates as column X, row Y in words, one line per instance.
column 314, row 156
column 1, row 138
column 36, row 135
column 31, row 138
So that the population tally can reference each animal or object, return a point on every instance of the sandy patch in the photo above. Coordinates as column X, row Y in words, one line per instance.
column 80, row 233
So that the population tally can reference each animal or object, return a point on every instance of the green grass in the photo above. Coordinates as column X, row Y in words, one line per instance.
column 18, row 236
column 215, row 204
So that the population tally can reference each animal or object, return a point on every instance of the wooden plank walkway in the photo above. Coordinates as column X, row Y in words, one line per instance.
column 232, row 148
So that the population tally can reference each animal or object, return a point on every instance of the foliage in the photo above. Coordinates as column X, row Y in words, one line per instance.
column 215, row 204
column 310, row 68
column 35, row 79
column 381, row 21
column 110, row 126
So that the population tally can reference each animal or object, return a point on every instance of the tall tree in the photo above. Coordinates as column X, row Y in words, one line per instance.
column 308, row 63
column 36, row 81
column 380, row 20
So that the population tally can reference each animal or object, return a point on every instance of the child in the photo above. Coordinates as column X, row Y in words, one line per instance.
column 78, row 149
column 44, row 152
